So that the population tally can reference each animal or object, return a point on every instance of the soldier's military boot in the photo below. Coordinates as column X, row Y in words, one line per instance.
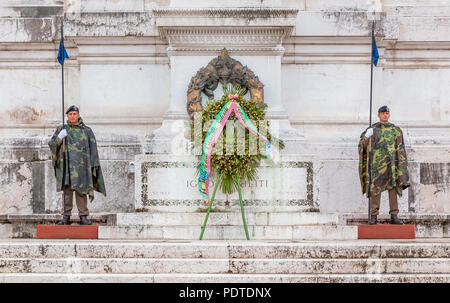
column 373, row 219
column 64, row 221
column 84, row 220
column 395, row 220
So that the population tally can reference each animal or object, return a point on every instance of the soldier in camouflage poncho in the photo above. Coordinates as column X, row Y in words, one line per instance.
column 384, row 142
column 83, row 175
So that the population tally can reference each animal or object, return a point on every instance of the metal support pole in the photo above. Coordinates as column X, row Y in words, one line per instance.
column 242, row 208
column 209, row 207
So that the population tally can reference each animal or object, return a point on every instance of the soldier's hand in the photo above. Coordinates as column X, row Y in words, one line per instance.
column 62, row 134
column 369, row 133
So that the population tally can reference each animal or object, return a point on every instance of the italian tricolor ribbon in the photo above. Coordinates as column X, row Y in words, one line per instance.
column 214, row 133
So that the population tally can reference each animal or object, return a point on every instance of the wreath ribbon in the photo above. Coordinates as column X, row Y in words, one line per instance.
column 216, row 130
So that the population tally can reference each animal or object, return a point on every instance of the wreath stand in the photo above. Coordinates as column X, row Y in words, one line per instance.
column 240, row 200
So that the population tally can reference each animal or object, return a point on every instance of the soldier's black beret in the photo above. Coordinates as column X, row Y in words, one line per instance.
column 383, row 109
column 72, row 109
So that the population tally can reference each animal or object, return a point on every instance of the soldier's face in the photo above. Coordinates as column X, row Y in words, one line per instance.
column 73, row 116
column 384, row 117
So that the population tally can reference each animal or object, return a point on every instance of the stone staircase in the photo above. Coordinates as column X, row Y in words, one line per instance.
column 227, row 226
column 224, row 261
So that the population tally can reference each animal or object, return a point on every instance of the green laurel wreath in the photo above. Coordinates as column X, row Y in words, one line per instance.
column 241, row 163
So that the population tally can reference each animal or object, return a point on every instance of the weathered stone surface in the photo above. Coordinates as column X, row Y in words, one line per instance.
column 225, row 218
column 222, row 261
column 342, row 266
column 337, row 232
column 223, row 278
column 112, row 249
column 108, row 5
column 110, row 232
column 26, row 30
column 28, row 182
column 240, row 249
column 76, row 278
column 167, row 219
column 5, row 231
column 385, row 278
column 128, row 265
column 24, row 226
column 217, row 232
column 342, row 23
column 119, row 183
column 241, row 266
column 110, row 24
column 16, row 185
column 303, row 218
column 317, row 78
column 304, row 249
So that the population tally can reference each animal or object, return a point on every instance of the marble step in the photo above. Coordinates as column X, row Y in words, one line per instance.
column 224, row 218
column 222, row 261
column 112, row 249
column 236, row 232
column 226, row 266
column 223, row 278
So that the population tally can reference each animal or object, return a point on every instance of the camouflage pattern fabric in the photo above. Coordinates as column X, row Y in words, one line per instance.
column 389, row 163
column 83, row 173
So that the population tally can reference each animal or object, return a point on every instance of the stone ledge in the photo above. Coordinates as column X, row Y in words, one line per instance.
column 99, row 219
column 427, row 225
column 225, row 266
column 224, row 278
column 25, row 226
column 218, row 249
column 223, row 218
column 268, row 226
column 407, row 218
column 236, row 232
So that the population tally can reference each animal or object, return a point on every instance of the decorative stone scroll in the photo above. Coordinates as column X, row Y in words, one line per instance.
column 224, row 70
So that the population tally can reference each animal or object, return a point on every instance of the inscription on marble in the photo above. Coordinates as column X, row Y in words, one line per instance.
column 175, row 183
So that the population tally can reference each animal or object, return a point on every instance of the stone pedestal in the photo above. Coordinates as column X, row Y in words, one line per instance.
column 386, row 231
column 66, row 232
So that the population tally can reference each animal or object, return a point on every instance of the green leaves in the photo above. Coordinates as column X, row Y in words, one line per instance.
column 234, row 90
column 243, row 162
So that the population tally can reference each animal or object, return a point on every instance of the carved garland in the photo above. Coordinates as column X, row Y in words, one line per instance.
column 224, row 70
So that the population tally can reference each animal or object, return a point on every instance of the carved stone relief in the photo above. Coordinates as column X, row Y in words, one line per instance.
column 224, row 70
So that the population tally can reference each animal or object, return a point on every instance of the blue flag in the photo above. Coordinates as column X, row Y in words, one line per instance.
column 62, row 54
column 375, row 54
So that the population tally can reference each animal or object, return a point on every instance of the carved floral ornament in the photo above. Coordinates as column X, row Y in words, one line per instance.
column 222, row 69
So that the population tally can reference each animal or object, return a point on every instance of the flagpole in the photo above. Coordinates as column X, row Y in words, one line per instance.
column 63, row 125
column 370, row 122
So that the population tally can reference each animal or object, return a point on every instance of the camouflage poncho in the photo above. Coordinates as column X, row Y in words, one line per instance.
column 85, row 172
column 389, row 162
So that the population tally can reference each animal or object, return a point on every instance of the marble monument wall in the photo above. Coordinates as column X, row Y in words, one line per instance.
column 119, row 73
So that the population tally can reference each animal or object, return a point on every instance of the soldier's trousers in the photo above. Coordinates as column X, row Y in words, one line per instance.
column 81, row 199
column 393, row 203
